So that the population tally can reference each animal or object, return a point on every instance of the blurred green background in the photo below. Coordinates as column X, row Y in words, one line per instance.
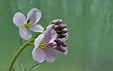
column 90, row 25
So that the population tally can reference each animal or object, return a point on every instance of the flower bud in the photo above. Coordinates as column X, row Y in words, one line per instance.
column 53, row 44
column 61, row 42
column 56, row 27
column 62, row 36
column 59, row 32
column 60, row 48
column 64, row 31
column 59, row 22
column 62, row 27
column 57, row 40
column 64, row 44
column 56, row 21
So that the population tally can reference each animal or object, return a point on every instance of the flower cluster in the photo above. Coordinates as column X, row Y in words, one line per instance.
column 53, row 37
column 62, row 35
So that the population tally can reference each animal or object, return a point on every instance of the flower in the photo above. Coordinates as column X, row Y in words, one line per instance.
column 29, row 24
column 43, row 46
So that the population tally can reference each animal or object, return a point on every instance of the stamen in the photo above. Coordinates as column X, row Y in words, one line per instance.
column 43, row 45
column 28, row 20
column 28, row 24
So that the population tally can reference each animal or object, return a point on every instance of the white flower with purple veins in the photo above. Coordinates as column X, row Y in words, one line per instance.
column 43, row 49
column 29, row 24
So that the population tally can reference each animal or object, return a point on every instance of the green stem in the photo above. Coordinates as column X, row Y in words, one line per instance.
column 51, row 22
column 34, row 66
column 20, row 41
column 31, row 43
column 20, row 50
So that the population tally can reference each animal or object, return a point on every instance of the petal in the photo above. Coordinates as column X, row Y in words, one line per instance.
column 25, row 33
column 37, row 28
column 53, row 36
column 38, row 55
column 19, row 19
column 50, row 35
column 34, row 15
column 52, row 26
column 38, row 39
column 50, row 54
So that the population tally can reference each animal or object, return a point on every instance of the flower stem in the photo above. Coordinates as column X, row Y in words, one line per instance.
column 20, row 50
column 34, row 66
column 20, row 41
column 51, row 22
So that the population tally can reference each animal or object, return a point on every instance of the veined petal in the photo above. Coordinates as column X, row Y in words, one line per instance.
column 34, row 15
column 25, row 33
column 37, row 28
column 19, row 19
column 51, row 35
column 38, row 55
column 50, row 54
column 38, row 39
column 54, row 36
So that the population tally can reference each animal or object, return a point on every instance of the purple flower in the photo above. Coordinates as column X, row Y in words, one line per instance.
column 43, row 49
column 29, row 24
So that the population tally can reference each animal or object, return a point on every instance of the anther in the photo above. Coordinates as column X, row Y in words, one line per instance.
column 28, row 20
